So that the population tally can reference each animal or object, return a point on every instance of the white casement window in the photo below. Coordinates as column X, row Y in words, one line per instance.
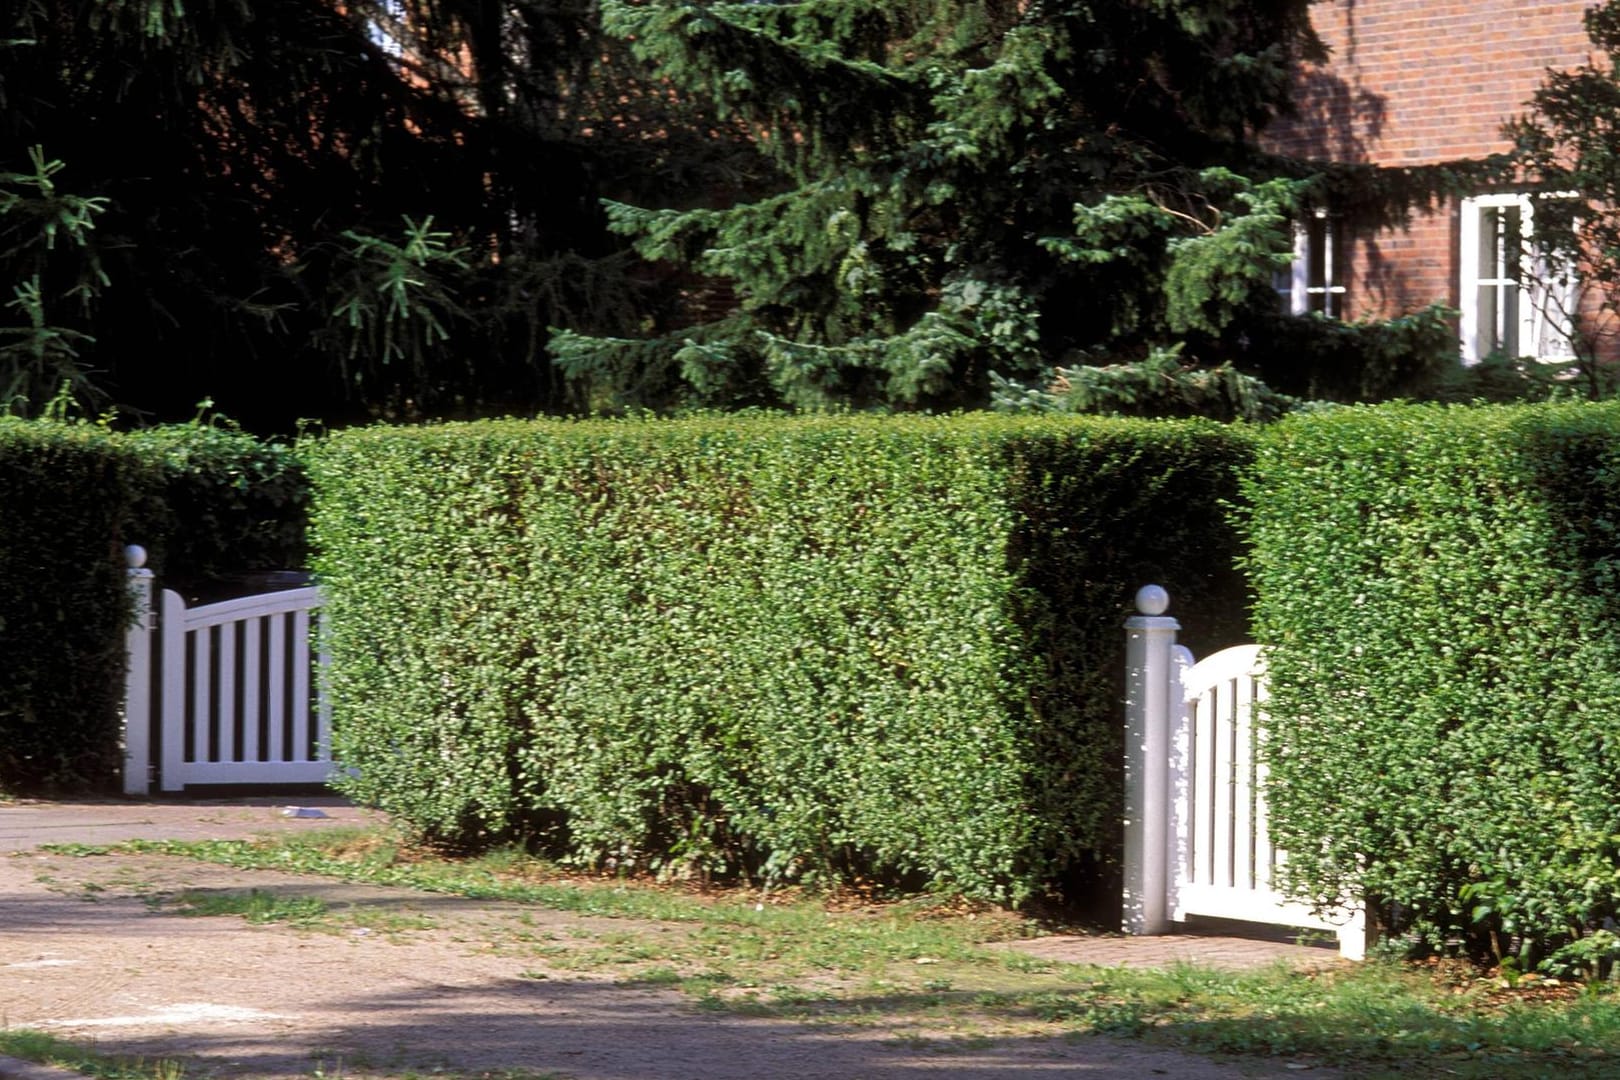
column 1514, row 300
column 1316, row 279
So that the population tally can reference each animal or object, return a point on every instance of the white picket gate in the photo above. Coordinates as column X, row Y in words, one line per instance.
column 235, row 692
column 1197, row 841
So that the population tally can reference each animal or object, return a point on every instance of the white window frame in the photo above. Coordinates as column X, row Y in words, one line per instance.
column 1300, row 294
column 1543, row 328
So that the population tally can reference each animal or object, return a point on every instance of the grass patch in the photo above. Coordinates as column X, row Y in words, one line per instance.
column 43, row 1049
column 256, row 906
column 924, row 970
column 259, row 906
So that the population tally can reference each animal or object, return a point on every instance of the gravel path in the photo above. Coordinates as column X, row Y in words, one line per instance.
column 84, row 954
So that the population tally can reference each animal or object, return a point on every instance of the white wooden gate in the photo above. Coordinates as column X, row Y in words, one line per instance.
column 237, row 697
column 1197, row 836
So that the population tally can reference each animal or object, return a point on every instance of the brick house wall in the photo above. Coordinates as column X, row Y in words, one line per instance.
column 1416, row 82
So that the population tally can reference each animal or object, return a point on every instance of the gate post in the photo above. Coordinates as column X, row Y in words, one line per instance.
column 138, row 676
column 1149, row 640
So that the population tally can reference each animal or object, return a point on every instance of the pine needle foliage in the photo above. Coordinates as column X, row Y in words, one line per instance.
column 259, row 177
column 973, row 187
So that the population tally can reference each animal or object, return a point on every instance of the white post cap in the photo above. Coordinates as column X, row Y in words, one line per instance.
column 1152, row 600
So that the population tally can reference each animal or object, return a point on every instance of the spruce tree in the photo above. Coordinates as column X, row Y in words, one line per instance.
column 968, row 190
column 300, row 208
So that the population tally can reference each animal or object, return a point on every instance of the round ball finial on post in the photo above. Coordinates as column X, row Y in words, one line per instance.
column 1152, row 600
column 134, row 556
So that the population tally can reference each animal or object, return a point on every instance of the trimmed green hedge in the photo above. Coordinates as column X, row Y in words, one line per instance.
column 206, row 502
column 825, row 648
column 1439, row 589
column 67, row 493
column 227, row 504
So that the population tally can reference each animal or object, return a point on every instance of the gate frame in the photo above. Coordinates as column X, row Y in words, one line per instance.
column 1157, row 839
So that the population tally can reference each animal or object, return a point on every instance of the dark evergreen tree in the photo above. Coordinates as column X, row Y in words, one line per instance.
column 977, row 192
column 969, row 187
column 307, row 208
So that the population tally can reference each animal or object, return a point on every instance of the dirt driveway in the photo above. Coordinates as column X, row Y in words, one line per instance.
column 412, row 984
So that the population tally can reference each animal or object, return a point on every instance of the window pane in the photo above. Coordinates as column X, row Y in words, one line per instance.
column 1512, row 243
column 1508, row 336
column 1490, row 226
column 1489, row 335
column 1317, row 249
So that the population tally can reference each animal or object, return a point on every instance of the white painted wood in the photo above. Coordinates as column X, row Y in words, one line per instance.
column 300, row 706
column 257, row 772
column 1180, row 780
column 243, row 607
column 245, row 725
column 1201, row 838
column 172, row 687
column 1243, row 791
column 1221, row 692
column 276, row 731
column 251, row 710
column 1217, row 700
column 225, row 709
column 1149, row 639
column 1217, row 854
column 202, row 711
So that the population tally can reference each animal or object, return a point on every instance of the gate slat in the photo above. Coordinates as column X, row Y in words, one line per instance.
column 1243, row 875
column 201, row 711
column 1203, row 868
column 300, row 688
column 1221, row 789
column 226, row 712
column 172, row 707
column 276, row 730
column 251, row 706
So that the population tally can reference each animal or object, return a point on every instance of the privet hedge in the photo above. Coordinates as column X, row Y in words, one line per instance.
column 829, row 648
column 226, row 504
column 207, row 502
column 1439, row 588
column 66, row 494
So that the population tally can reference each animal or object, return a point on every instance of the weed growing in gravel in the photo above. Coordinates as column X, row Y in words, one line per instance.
column 256, row 906
column 43, row 1049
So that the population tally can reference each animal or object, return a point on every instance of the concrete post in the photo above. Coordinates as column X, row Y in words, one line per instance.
column 1149, row 639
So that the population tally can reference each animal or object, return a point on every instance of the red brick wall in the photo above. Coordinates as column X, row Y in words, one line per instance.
column 1414, row 82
